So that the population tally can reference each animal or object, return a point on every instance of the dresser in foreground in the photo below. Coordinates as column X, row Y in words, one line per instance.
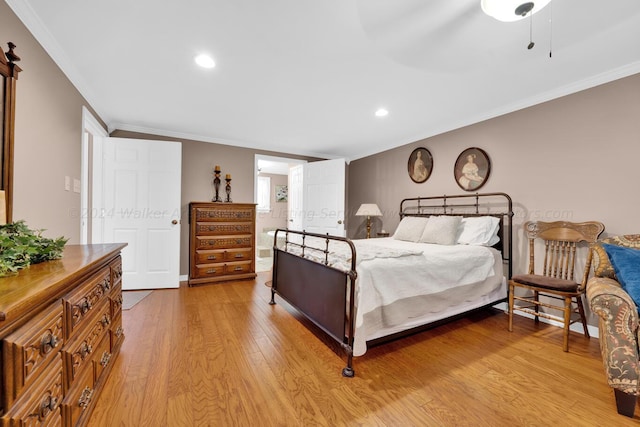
column 221, row 242
column 61, row 329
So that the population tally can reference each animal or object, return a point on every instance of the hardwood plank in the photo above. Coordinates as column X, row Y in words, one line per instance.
column 220, row 355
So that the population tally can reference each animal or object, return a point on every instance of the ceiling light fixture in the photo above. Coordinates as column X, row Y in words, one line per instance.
column 205, row 61
column 381, row 112
column 511, row 10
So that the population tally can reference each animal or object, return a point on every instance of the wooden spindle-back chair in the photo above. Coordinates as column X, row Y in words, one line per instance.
column 556, row 280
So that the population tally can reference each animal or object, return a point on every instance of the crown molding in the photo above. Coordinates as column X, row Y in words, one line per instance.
column 214, row 140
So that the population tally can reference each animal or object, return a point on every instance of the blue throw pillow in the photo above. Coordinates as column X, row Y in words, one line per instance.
column 626, row 263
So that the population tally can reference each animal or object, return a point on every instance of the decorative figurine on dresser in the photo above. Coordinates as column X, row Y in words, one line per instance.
column 221, row 242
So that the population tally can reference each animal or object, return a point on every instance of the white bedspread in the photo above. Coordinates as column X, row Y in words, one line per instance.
column 390, row 292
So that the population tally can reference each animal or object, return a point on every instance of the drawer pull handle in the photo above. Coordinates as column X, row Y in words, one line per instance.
column 85, row 350
column 211, row 271
column 106, row 321
column 48, row 343
column 85, row 398
column 212, row 257
column 106, row 284
column 48, row 405
column 119, row 331
column 239, row 256
column 238, row 269
column 106, row 356
column 85, row 306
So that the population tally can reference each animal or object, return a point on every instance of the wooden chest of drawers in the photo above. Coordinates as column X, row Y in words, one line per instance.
column 221, row 242
column 61, row 328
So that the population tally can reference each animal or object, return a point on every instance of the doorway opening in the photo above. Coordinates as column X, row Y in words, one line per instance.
column 271, row 182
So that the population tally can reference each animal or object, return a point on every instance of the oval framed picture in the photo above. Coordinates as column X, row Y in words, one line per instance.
column 472, row 169
column 420, row 165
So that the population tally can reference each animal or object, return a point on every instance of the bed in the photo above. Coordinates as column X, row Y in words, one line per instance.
column 449, row 255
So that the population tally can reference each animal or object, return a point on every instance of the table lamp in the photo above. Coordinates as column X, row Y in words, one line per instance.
column 368, row 210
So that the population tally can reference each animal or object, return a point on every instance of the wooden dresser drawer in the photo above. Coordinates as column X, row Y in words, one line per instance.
column 209, row 270
column 115, row 298
column 239, row 254
column 79, row 398
column 221, row 255
column 79, row 304
column 210, row 256
column 223, row 228
column 117, row 333
column 101, row 357
column 224, row 213
column 244, row 241
column 29, row 349
column 116, row 271
column 78, row 352
column 40, row 404
column 240, row 267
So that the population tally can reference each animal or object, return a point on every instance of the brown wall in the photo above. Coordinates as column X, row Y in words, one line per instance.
column 48, row 136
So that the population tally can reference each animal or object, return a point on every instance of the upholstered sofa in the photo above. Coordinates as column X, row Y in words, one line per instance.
column 618, row 323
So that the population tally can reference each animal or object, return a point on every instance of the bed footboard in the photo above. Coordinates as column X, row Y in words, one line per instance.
column 323, row 293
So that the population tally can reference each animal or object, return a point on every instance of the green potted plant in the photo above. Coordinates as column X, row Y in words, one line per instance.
column 21, row 246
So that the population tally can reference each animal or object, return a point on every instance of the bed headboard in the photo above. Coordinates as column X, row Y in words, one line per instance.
column 476, row 204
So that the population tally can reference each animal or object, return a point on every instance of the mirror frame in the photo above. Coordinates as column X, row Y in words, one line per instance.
column 9, row 71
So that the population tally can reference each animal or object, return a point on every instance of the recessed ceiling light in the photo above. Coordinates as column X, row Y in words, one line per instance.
column 205, row 61
column 381, row 112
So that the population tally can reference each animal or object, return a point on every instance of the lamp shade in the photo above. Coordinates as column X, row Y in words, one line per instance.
column 369, row 209
column 505, row 10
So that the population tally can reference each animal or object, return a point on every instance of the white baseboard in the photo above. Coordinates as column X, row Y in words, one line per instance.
column 576, row 327
column 183, row 278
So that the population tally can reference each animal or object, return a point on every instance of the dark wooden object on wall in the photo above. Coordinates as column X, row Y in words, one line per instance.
column 221, row 242
column 9, row 71
column 61, row 330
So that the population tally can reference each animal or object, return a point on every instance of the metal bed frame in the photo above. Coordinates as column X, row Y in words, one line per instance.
column 326, row 295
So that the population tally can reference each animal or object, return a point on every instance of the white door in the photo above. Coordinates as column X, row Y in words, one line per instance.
column 141, row 206
column 323, row 190
column 295, row 191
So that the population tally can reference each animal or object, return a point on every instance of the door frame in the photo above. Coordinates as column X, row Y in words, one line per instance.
column 92, row 132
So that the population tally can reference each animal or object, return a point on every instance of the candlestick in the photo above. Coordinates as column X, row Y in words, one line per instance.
column 228, row 188
column 216, row 185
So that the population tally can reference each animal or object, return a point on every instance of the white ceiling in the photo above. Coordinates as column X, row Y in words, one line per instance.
column 305, row 77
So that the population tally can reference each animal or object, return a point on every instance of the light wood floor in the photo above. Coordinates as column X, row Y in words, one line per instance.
column 220, row 355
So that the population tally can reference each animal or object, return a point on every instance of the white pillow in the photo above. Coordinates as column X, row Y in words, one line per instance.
column 479, row 230
column 441, row 230
column 410, row 228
